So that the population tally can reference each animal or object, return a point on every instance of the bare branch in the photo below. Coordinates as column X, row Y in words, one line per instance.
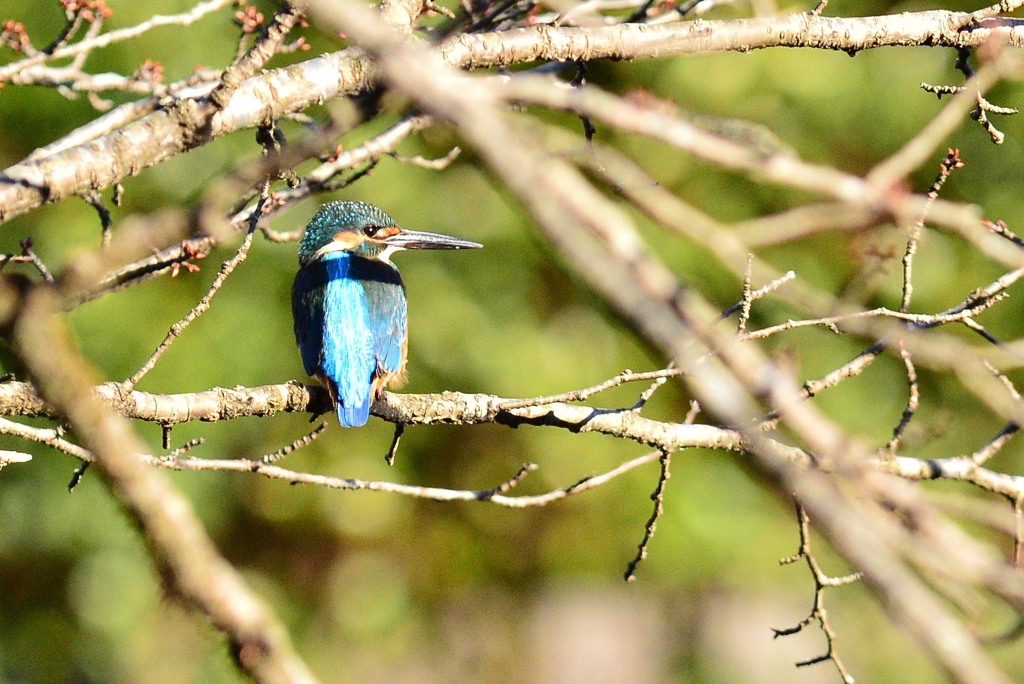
column 7, row 71
column 181, row 548
column 114, row 157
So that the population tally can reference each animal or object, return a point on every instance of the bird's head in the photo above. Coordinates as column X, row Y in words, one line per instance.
column 364, row 230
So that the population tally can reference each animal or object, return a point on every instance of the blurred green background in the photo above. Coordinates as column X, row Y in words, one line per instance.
column 376, row 587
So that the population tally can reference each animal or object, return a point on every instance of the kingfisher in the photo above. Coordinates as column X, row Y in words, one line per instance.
column 348, row 302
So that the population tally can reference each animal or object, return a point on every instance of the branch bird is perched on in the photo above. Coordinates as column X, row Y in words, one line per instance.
column 348, row 302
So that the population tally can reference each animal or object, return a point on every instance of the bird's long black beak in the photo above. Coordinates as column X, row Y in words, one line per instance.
column 417, row 239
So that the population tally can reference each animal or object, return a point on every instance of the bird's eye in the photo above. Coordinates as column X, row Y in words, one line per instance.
column 371, row 231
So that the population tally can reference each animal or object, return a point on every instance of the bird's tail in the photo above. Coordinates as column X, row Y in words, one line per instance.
column 353, row 415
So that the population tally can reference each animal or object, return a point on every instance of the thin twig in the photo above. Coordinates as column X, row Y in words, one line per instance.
column 303, row 441
column 432, row 493
column 511, row 483
column 118, row 36
column 265, row 47
column 996, row 444
column 658, row 497
column 646, row 395
column 913, row 401
column 204, row 304
column 389, row 457
column 759, row 293
column 438, row 164
column 949, row 163
column 95, row 200
column 747, row 299
column 587, row 392
column 50, row 437
column 185, row 448
column 930, row 320
column 29, row 256
column 1018, row 531
column 818, row 613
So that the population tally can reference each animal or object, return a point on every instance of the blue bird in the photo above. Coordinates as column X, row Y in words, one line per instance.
column 348, row 302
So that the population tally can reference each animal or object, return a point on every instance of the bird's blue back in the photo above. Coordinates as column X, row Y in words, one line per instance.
column 350, row 324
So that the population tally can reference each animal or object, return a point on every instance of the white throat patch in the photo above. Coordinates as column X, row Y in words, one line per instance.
column 386, row 253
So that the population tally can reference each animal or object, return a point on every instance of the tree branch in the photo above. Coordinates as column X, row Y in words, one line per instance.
column 182, row 551
column 194, row 120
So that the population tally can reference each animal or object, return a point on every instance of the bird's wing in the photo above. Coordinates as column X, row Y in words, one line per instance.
column 386, row 308
column 386, row 297
column 308, row 293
